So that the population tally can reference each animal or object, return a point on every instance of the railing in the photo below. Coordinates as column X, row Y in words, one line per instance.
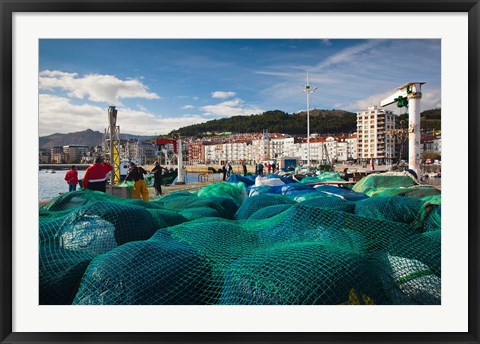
column 205, row 177
column 62, row 166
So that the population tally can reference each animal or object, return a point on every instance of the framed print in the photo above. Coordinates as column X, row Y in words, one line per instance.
column 309, row 239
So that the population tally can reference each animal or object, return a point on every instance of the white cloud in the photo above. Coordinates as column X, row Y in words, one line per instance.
column 187, row 107
column 60, row 115
column 95, row 87
column 232, row 107
column 431, row 99
column 223, row 94
column 347, row 54
column 143, row 108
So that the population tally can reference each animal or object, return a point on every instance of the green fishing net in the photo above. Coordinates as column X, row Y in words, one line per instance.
column 218, row 246
column 393, row 184
column 323, row 177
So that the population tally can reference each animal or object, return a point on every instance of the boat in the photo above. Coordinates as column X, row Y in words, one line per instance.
column 51, row 171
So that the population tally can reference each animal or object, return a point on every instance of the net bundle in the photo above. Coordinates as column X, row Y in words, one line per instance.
column 393, row 184
column 219, row 246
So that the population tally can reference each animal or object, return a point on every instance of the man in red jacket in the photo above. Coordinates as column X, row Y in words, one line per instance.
column 71, row 177
column 95, row 177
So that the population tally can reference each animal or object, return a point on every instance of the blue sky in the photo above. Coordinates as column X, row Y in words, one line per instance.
column 161, row 85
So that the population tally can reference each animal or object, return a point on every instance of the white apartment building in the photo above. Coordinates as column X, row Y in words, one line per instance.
column 341, row 151
column 352, row 147
column 235, row 151
column 210, row 157
column 373, row 133
column 261, row 148
column 281, row 147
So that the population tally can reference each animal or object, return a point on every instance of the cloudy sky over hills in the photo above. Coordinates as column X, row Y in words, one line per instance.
column 161, row 85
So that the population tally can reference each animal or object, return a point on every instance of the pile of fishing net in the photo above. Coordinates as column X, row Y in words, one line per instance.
column 393, row 184
column 220, row 246
column 323, row 177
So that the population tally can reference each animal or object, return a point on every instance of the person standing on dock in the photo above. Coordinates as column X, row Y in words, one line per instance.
column 139, row 186
column 244, row 169
column 157, row 175
column 95, row 177
column 224, row 172
column 71, row 177
column 260, row 169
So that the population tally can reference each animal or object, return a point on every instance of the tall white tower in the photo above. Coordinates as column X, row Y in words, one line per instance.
column 308, row 90
column 409, row 95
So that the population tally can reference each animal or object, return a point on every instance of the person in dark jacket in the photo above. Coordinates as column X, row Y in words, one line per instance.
column 136, row 173
column 157, row 175
column 260, row 169
column 244, row 169
column 224, row 172
column 95, row 177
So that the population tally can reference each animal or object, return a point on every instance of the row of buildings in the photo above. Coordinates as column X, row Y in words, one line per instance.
column 376, row 137
column 84, row 154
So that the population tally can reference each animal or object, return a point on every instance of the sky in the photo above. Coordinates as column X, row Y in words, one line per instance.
column 161, row 85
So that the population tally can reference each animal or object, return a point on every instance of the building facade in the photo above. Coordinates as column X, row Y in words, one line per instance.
column 374, row 128
column 75, row 153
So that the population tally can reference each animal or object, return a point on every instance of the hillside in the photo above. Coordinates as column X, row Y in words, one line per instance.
column 321, row 121
column 429, row 120
column 87, row 137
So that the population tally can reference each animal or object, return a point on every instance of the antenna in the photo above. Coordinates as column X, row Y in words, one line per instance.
column 308, row 90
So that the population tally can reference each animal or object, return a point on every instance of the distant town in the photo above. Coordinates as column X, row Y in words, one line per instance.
column 377, row 137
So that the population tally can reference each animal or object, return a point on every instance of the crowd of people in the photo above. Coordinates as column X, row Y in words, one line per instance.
column 260, row 168
column 95, row 178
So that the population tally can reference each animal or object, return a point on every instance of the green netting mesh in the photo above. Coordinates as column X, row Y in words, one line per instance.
column 94, row 221
column 60, row 274
column 409, row 281
column 424, row 247
column 236, row 191
column 252, row 204
column 323, row 177
column 217, row 246
column 330, row 202
column 335, row 228
column 393, row 184
column 398, row 209
column 269, row 211
column 431, row 214
column 186, row 204
column 300, row 274
column 384, row 180
column 159, row 271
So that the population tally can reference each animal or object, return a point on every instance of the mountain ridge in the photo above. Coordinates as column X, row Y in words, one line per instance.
column 87, row 137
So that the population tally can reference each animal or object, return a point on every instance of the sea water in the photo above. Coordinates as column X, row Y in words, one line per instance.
column 51, row 185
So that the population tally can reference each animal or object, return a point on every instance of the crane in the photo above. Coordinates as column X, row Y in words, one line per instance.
column 409, row 95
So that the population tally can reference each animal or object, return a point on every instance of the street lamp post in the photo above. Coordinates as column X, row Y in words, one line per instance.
column 308, row 90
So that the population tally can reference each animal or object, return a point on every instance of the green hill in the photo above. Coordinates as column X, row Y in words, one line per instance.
column 321, row 122
column 429, row 120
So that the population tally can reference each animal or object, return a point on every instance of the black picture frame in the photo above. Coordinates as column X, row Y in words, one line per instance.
column 9, row 7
